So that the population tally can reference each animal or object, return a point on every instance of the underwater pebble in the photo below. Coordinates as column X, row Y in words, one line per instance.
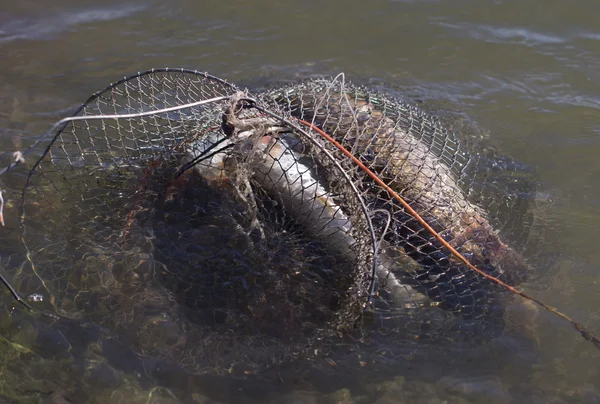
column 541, row 399
column 162, row 328
column 586, row 394
column 51, row 342
column 341, row 396
column 198, row 398
column 56, row 397
column 102, row 376
column 421, row 392
column 298, row 397
column 484, row 389
column 391, row 386
column 399, row 391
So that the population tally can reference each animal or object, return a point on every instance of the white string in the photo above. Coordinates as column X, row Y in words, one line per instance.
column 19, row 155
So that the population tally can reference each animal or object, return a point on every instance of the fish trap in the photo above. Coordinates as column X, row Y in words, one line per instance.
column 231, row 230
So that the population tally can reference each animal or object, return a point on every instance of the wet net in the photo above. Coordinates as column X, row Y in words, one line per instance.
column 422, row 162
column 220, row 229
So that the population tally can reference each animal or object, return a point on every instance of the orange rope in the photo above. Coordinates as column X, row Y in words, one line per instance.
column 579, row 327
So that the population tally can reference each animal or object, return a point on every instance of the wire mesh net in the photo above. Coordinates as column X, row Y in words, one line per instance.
column 219, row 229
column 424, row 163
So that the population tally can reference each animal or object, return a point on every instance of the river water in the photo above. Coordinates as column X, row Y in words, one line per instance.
column 525, row 72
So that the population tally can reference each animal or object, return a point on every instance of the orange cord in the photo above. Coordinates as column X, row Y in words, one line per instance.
column 579, row 327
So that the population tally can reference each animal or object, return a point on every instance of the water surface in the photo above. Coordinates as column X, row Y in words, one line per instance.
column 525, row 72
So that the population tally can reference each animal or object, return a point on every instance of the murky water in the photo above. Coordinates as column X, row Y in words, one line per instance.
column 526, row 72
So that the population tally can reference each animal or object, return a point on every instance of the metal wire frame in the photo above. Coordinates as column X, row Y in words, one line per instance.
column 57, row 129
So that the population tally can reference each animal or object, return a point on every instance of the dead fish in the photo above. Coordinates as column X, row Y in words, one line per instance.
column 282, row 175
column 385, row 135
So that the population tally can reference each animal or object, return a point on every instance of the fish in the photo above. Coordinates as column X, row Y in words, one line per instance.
column 285, row 177
column 390, row 138
column 292, row 183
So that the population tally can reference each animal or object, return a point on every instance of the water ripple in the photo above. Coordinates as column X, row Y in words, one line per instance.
column 13, row 28
column 503, row 35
